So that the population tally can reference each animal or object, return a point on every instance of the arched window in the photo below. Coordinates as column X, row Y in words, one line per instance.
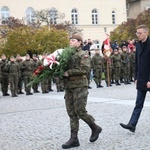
column 5, row 13
column 53, row 15
column 113, row 17
column 74, row 16
column 30, row 15
column 94, row 16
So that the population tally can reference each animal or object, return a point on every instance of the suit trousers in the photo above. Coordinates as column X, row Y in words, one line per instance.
column 138, row 107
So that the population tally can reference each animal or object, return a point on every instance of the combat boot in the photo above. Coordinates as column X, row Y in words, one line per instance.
column 96, row 130
column 117, row 82
column 73, row 141
column 97, row 85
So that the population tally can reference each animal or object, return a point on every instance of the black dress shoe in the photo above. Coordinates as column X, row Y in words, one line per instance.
column 128, row 126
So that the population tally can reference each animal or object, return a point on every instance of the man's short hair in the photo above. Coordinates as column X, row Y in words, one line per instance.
column 143, row 26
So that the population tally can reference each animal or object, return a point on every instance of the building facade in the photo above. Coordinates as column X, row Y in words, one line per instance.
column 92, row 16
column 135, row 7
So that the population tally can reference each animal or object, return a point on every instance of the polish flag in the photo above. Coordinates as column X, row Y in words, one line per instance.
column 107, row 48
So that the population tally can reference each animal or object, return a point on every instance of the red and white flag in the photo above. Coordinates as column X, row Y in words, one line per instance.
column 107, row 48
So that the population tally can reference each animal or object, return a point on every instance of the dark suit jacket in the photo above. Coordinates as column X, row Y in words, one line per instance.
column 142, row 64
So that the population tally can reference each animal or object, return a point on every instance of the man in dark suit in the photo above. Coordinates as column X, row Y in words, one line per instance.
column 142, row 75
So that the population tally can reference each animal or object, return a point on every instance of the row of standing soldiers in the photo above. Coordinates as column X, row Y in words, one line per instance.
column 118, row 68
column 17, row 71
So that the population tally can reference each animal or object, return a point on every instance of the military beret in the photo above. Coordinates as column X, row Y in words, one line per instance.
column 76, row 36
column 12, row 56
column 3, row 55
column 18, row 55
column 34, row 55
column 27, row 55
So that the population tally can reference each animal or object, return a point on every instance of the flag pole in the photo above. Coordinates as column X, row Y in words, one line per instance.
column 108, row 73
column 107, row 66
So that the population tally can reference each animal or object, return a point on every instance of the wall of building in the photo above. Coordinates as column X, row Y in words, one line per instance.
column 135, row 7
column 84, row 7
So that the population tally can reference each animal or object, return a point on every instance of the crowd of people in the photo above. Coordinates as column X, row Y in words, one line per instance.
column 18, row 73
column 116, row 69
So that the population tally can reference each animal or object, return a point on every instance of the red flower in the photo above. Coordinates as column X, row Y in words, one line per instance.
column 39, row 69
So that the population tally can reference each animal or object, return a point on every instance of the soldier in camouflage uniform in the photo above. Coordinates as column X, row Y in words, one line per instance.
column 44, row 82
column 36, row 64
column 59, row 84
column 20, row 82
column 116, row 61
column 121, row 67
column 107, row 66
column 125, row 64
column 13, row 70
column 4, row 75
column 27, row 68
column 76, row 92
column 132, row 59
column 97, row 66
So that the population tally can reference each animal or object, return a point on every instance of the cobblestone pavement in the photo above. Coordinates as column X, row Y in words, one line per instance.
column 40, row 121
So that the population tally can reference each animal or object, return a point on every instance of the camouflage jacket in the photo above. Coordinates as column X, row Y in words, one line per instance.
column 125, row 58
column 132, row 58
column 97, row 62
column 116, row 61
column 27, row 67
column 13, row 69
column 36, row 63
column 3, row 66
column 78, row 66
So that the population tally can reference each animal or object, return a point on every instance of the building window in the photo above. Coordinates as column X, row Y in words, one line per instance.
column 94, row 16
column 113, row 17
column 53, row 16
column 30, row 18
column 74, row 16
column 5, row 13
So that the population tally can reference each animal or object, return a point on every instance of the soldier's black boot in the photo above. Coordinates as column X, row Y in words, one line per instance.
column 100, row 85
column 73, row 141
column 117, row 82
column 96, row 130
column 97, row 85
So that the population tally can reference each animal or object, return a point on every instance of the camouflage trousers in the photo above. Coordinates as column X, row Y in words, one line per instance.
column 13, row 80
column 117, row 73
column 27, row 80
column 98, row 76
column 4, row 84
column 76, row 100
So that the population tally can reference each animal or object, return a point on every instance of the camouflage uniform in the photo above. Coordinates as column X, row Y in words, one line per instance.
column 27, row 68
column 97, row 66
column 13, row 70
column 76, row 92
column 20, row 82
column 59, row 84
column 107, row 66
column 45, row 83
column 132, row 60
column 76, row 89
column 116, row 61
column 4, row 76
column 121, row 71
column 36, row 64
column 125, row 65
